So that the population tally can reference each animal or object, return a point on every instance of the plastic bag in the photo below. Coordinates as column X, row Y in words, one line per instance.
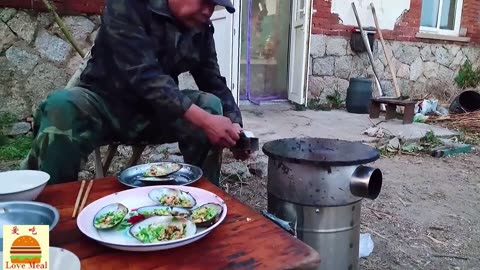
column 366, row 245
column 426, row 106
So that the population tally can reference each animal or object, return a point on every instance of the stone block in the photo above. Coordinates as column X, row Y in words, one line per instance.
column 315, row 86
column 416, row 69
column 343, row 67
column 52, row 47
column 445, row 74
column 336, row 46
column 387, row 87
column 7, row 37
column 443, row 56
column 7, row 14
column 403, row 71
column 458, row 60
column 324, row 66
column 430, row 69
column 79, row 26
column 45, row 20
column 318, row 46
column 22, row 59
column 472, row 53
column 24, row 25
column 406, row 53
column 427, row 54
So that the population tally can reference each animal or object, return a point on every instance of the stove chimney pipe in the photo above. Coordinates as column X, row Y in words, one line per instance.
column 366, row 182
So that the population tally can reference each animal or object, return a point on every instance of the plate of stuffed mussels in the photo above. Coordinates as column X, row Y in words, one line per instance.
column 152, row 218
column 160, row 173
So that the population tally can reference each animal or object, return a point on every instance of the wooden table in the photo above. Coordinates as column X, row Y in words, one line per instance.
column 245, row 239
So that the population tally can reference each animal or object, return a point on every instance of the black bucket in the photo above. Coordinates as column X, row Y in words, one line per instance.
column 467, row 101
column 359, row 93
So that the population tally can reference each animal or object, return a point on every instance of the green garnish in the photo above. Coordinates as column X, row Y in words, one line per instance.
column 174, row 200
column 203, row 214
column 109, row 219
column 158, row 233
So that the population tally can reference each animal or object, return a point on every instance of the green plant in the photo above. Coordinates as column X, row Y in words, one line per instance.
column 316, row 105
column 430, row 140
column 335, row 100
column 467, row 77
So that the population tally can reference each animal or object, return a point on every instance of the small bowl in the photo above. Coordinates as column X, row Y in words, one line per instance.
column 27, row 213
column 22, row 185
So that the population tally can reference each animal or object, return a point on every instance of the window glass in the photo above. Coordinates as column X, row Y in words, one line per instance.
column 429, row 15
column 447, row 18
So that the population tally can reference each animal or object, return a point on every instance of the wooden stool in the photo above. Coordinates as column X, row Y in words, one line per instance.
column 408, row 114
column 101, row 167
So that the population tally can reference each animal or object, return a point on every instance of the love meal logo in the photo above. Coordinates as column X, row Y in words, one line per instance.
column 26, row 247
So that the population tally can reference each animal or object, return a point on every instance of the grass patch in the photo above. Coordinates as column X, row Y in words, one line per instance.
column 15, row 148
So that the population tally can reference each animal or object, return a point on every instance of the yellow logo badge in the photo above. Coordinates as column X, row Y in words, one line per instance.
column 26, row 246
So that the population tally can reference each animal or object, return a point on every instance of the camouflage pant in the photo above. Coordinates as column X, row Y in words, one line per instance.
column 70, row 124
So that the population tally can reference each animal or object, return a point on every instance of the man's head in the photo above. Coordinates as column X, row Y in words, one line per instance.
column 195, row 13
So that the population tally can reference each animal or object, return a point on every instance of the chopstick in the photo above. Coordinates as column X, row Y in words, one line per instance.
column 78, row 208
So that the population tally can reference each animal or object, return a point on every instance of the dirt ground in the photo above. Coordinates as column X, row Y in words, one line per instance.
column 426, row 217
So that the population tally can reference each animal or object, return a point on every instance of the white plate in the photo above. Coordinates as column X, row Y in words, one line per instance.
column 136, row 198
column 60, row 259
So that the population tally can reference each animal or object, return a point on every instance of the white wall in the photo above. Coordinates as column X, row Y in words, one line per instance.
column 388, row 12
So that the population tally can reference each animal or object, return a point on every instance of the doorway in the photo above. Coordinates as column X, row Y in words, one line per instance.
column 264, row 50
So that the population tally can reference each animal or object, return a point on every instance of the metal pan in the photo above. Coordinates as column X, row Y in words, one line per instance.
column 187, row 175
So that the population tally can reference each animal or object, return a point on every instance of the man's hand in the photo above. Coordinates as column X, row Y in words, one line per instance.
column 240, row 154
column 219, row 129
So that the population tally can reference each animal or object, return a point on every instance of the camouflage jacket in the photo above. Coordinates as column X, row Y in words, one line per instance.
column 139, row 52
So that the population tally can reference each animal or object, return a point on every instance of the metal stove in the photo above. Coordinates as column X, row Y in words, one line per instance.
column 315, row 190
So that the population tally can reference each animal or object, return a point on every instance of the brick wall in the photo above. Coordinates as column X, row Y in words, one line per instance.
column 324, row 22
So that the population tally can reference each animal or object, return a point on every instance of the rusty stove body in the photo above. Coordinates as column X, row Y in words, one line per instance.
column 315, row 191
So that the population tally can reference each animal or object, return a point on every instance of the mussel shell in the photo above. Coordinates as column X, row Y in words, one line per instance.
column 210, row 221
column 155, row 221
column 157, row 210
column 157, row 194
column 118, row 210
column 162, row 169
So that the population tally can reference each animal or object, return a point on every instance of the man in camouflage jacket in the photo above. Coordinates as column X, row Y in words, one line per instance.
column 129, row 91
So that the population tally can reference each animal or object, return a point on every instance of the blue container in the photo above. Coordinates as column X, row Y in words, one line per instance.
column 359, row 94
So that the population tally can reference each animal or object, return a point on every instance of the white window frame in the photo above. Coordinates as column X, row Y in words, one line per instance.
column 437, row 30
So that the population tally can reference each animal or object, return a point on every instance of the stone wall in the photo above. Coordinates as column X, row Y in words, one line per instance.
column 421, row 68
column 35, row 57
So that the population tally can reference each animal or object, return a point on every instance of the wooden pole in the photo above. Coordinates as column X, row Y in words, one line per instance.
column 387, row 54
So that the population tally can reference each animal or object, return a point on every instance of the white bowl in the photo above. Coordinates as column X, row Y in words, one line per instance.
column 22, row 185
column 60, row 259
